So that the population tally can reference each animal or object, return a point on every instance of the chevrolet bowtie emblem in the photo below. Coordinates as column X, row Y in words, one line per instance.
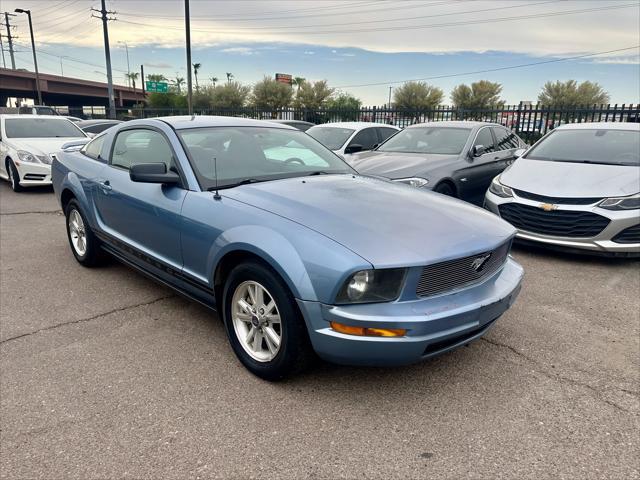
column 548, row 207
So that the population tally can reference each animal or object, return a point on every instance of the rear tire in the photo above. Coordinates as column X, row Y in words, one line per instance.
column 14, row 176
column 84, row 244
column 263, row 323
column 445, row 189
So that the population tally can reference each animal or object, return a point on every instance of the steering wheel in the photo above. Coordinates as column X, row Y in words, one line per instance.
column 294, row 160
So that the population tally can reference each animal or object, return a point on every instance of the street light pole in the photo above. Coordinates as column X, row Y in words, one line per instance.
column 390, row 88
column 187, row 26
column 33, row 48
column 126, row 47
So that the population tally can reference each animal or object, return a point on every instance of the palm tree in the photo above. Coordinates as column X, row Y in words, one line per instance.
column 133, row 77
column 298, row 81
column 156, row 77
column 229, row 77
column 213, row 80
column 178, row 82
column 196, row 67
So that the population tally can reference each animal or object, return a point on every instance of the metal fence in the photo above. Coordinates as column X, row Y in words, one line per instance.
column 529, row 121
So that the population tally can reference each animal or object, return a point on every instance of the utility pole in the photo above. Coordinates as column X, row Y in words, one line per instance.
column 4, row 62
column 33, row 48
column 142, row 80
column 126, row 47
column 10, row 38
column 107, row 54
column 187, row 26
column 390, row 88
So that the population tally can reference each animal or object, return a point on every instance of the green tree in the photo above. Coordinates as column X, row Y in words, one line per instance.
column 482, row 94
column 346, row 106
column 313, row 95
column 229, row 77
column 214, row 80
column 156, row 77
column 417, row 96
column 572, row 94
column 166, row 100
column 177, row 83
column 196, row 68
column 298, row 81
column 230, row 95
column 133, row 76
column 271, row 95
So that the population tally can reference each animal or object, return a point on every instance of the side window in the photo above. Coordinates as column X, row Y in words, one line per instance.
column 140, row 146
column 385, row 133
column 367, row 138
column 93, row 148
column 506, row 140
column 485, row 139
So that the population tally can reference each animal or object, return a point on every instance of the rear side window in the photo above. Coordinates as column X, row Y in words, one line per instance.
column 485, row 139
column 93, row 148
column 367, row 138
column 386, row 133
column 505, row 140
column 98, row 128
column 141, row 146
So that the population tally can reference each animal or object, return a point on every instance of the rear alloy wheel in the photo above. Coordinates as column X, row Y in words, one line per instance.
column 84, row 244
column 14, row 177
column 263, row 323
column 445, row 189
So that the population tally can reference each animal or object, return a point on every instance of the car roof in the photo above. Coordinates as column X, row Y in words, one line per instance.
column 97, row 121
column 356, row 125
column 197, row 121
column 287, row 122
column 18, row 115
column 600, row 126
column 456, row 124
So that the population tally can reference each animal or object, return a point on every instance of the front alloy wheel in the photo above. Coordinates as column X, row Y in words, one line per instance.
column 14, row 177
column 84, row 244
column 256, row 321
column 263, row 322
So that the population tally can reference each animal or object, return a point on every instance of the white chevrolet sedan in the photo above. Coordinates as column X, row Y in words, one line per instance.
column 28, row 144
column 345, row 138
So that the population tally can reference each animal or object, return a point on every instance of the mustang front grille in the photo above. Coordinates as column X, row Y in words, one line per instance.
column 559, row 223
column 461, row 272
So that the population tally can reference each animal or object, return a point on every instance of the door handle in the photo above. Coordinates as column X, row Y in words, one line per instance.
column 105, row 186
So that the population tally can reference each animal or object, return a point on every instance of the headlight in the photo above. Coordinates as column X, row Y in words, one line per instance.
column 27, row 157
column 368, row 286
column 621, row 203
column 413, row 181
column 500, row 190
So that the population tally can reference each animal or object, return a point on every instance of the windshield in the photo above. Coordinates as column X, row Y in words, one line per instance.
column 41, row 128
column 611, row 147
column 331, row 137
column 436, row 140
column 255, row 154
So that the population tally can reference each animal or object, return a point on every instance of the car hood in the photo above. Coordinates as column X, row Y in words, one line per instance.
column 567, row 179
column 42, row 146
column 398, row 165
column 386, row 223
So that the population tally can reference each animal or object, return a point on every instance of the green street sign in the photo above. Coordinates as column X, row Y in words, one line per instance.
column 157, row 87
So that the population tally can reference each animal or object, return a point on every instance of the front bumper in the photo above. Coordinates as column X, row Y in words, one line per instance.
column 434, row 325
column 33, row 174
column 602, row 243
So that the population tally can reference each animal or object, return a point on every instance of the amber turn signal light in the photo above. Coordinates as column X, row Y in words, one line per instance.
column 368, row 332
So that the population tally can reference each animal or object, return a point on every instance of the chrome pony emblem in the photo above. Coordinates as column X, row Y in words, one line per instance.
column 479, row 263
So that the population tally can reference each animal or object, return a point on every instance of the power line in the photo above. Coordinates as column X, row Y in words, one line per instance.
column 488, row 70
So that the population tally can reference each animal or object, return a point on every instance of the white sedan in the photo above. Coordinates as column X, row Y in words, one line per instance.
column 345, row 138
column 28, row 144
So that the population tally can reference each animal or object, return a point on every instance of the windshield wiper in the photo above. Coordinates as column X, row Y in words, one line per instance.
column 317, row 172
column 245, row 181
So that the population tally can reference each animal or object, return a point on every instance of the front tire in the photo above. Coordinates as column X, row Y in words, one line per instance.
column 264, row 326
column 84, row 244
column 14, row 176
column 445, row 189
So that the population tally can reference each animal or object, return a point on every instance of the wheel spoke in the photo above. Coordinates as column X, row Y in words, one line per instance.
column 273, row 318
column 259, row 296
column 269, row 308
column 250, row 335
column 257, row 341
column 242, row 303
column 245, row 317
column 273, row 339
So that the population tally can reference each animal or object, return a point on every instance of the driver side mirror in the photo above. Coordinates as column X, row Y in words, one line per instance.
column 478, row 150
column 153, row 173
column 353, row 148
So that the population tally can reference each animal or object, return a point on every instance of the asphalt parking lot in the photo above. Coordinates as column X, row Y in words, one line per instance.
column 104, row 373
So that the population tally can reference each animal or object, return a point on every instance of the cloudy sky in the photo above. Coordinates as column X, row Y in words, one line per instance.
column 362, row 47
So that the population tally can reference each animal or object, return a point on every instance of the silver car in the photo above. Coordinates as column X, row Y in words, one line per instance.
column 578, row 188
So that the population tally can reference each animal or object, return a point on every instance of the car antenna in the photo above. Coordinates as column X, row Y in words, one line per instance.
column 216, row 195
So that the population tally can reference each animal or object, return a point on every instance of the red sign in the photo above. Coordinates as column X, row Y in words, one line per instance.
column 284, row 78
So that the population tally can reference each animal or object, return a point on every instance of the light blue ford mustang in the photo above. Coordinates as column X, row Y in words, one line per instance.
column 299, row 253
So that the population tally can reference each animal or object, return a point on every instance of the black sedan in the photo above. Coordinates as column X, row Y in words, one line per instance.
column 454, row 158
column 97, row 126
